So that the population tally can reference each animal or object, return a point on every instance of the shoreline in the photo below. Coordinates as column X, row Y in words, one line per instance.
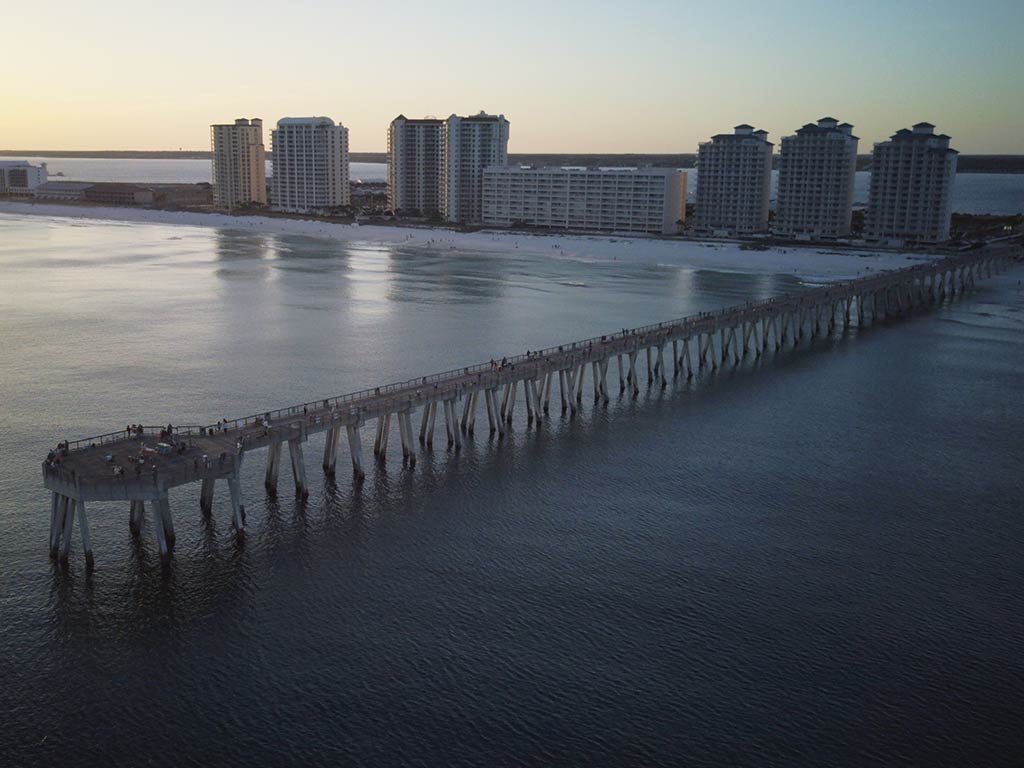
column 805, row 262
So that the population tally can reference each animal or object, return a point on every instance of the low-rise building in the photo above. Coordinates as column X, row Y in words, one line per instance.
column 20, row 177
column 62, row 190
column 115, row 193
column 650, row 200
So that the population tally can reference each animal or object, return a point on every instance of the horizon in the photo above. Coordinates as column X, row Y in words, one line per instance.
column 599, row 79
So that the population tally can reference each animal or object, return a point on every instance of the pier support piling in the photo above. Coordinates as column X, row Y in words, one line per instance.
column 299, row 467
column 135, row 515
column 331, row 450
column 355, row 449
column 205, row 497
column 273, row 467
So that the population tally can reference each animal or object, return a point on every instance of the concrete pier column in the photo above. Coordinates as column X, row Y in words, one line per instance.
column 489, row 402
column 83, row 526
column 67, row 528
column 650, row 366
column 661, row 365
column 56, row 507
column 355, row 449
column 595, row 376
column 686, row 358
column 167, row 520
column 675, row 357
column 299, row 467
column 633, row 378
column 158, row 527
column 563, row 389
column 511, row 407
column 406, row 437
column 385, row 433
column 138, row 511
column 495, row 411
column 734, row 344
column 603, row 371
column 723, row 337
column 273, row 467
column 451, row 424
column 711, row 350
column 406, row 420
column 548, row 379
column 430, row 425
column 535, row 390
column 205, row 496
column 507, row 393
column 622, row 376
column 467, row 408
column 424, row 419
column 572, row 376
column 235, row 490
column 331, row 450
column 581, row 373
column 383, row 429
column 471, row 425
column 527, row 396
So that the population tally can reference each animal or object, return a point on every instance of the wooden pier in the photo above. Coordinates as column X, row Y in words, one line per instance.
column 139, row 469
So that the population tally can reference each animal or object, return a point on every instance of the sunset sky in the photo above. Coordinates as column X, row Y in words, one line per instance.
column 570, row 76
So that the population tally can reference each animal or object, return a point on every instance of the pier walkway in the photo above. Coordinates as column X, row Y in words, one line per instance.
column 139, row 469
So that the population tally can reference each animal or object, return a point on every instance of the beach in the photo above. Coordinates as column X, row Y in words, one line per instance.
column 810, row 263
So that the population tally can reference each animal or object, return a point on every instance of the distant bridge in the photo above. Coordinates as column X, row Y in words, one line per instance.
column 107, row 467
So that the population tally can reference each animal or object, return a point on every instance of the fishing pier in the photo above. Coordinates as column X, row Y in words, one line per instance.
column 140, row 469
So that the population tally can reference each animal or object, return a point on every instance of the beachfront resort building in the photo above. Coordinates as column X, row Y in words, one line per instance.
column 650, row 200
column 239, row 163
column 817, row 167
column 20, row 177
column 415, row 164
column 734, row 177
column 310, row 165
column 470, row 145
column 911, row 196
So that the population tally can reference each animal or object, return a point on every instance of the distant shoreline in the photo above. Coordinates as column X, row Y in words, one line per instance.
column 998, row 164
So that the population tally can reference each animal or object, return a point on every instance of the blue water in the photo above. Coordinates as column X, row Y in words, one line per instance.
column 812, row 560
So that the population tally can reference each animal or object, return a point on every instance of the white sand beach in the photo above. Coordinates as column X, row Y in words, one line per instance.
column 809, row 263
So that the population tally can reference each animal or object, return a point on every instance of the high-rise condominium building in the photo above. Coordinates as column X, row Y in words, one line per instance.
column 651, row 200
column 415, row 164
column 239, row 163
column 470, row 145
column 310, row 164
column 817, row 167
column 911, row 196
column 734, row 177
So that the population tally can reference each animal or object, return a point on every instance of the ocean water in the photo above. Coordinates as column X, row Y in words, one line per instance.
column 811, row 560
column 973, row 193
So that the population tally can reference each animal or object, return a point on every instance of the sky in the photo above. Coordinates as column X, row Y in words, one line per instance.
column 588, row 77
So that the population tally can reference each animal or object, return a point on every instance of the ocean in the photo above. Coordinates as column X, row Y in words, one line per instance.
column 813, row 559
column 973, row 193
